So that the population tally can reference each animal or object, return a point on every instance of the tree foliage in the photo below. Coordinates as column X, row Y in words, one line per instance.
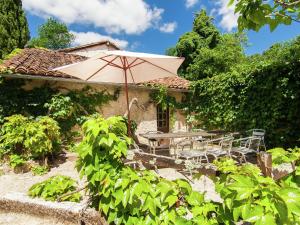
column 263, row 92
column 206, row 51
column 53, row 35
column 233, row 91
column 255, row 14
column 14, row 32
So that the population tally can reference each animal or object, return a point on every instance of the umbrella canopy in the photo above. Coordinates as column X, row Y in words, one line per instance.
column 124, row 67
column 109, row 66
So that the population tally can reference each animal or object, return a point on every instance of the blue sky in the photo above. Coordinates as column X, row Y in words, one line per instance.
column 145, row 26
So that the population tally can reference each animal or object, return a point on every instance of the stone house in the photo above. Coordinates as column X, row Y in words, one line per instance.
column 36, row 66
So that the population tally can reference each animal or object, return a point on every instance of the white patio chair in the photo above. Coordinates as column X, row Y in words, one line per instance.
column 201, row 150
column 153, row 143
column 200, row 138
column 261, row 134
column 222, row 149
column 196, row 154
column 246, row 146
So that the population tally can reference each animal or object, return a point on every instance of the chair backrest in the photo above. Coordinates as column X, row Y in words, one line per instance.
column 258, row 133
column 226, row 143
column 253, row 143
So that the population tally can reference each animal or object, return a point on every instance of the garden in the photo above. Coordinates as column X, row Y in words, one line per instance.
column 133, row 196
column 56, row 147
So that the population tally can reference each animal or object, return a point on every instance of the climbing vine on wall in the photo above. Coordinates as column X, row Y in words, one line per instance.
column 68, row 108
column 161, row 96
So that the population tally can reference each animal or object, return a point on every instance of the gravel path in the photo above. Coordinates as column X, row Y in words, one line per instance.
column 22, row 182
column 15, row 184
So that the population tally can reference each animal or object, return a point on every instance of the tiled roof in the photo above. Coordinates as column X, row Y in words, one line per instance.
column 170, row 82
column 40, row 62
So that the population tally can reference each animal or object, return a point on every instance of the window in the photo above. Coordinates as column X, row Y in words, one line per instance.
column 162, row 119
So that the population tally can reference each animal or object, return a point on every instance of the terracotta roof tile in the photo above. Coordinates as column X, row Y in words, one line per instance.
column 40, row 62
column 170, row 82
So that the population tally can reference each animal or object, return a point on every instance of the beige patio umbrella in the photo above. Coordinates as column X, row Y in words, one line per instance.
column 124, row 67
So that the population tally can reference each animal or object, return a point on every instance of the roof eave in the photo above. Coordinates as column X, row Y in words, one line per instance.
column 72, row 80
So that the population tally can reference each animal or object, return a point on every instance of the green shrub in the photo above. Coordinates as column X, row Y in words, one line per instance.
column 39, row 170
column 279, row 155
column 126, row 196
column 262, row 93
column 29, row 137
column 54, row 187
column 16, row 161
column 250, row 197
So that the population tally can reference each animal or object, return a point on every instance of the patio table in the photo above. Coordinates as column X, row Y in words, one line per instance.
column 171, row 136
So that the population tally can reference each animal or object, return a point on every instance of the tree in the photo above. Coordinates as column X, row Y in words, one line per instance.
column 53, row 35
column 254, row 14
column 263, row 91
column 206, row 51
column 14, row 32
column 220, row 59
column 204, row 34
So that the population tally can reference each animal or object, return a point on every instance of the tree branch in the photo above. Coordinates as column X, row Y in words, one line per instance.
column 70, row 193
column 286, row 4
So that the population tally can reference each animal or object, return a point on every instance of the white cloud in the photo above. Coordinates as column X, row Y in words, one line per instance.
column 168, row 27
column 82, row 38
column 190, row 3
column 229, row 19
column 115, row 16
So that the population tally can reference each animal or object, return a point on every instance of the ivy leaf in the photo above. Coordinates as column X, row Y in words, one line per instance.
column 184, row 185
column 252, row 214
column 291, row 196
column 104, row 205
column 266, row 219
column 195, row 198
column 150, row 205
column 125, row 198
column 171, row 200
column 243, row 185
column 118, row 194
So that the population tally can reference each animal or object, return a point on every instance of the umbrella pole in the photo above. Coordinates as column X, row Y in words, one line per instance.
column 127, row 100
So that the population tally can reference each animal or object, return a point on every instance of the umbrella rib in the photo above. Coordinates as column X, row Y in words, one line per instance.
column 104, row 56
column 129, row 69
column 113, row 64
column 158, row 66
column 129, row 65
column 108, row 63
column 137, row 64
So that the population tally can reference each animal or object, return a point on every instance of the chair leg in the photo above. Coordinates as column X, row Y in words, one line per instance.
column 244, row 158
column 206, row 158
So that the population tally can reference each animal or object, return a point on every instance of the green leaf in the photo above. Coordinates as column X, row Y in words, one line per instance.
column 184, row 185
column 125, row 197
column 266, row 219
column 195, row 198
column 291, row 196
column 252, row 213
column 171, row 200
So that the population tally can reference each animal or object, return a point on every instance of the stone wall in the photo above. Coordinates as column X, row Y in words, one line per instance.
column 142, row 111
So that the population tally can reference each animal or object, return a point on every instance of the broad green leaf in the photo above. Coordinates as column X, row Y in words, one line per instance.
column 171, row 200
column 195, row 198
